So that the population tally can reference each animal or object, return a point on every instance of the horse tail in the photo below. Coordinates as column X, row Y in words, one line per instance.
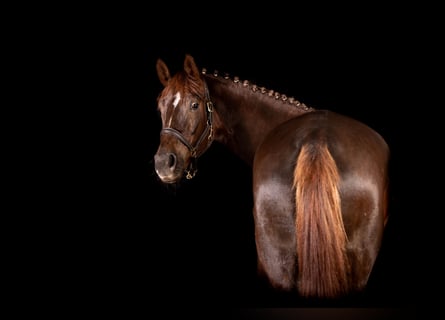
column 320, row 233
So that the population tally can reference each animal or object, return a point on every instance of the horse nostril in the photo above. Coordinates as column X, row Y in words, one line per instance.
column 171, row 160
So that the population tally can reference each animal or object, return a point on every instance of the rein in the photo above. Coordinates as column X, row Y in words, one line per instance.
column 207, row 133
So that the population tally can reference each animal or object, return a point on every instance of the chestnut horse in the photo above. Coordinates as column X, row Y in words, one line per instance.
column 320, row 179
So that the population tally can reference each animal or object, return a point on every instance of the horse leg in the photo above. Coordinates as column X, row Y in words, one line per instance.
column 364, row 215
column 275, row 233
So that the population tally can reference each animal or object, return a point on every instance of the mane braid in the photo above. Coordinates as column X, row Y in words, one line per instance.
column 271, row 93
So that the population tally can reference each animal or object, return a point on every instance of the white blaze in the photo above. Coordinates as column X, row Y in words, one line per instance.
column 177, row 98
column 175, row 104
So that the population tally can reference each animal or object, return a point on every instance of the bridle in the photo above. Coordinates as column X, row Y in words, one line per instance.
column 206, row 134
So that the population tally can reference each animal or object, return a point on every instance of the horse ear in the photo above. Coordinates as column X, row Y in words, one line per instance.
column 190, row 67
column 163, row 72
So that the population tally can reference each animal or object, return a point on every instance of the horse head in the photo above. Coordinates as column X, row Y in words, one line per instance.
column 186, row 112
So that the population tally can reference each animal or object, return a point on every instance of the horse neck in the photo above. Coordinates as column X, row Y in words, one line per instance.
column 245, row 113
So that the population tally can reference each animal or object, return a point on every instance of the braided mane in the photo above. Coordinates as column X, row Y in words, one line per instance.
column 262, row 90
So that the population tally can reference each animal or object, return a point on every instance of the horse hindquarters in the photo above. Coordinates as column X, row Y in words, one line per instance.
column 301, row 242
column 339, row 224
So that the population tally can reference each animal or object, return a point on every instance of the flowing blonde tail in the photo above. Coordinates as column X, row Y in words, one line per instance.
column 321, row 238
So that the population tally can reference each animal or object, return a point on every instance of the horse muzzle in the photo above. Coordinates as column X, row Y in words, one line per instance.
column 168, row 167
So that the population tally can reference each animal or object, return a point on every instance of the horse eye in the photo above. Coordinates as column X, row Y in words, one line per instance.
column 194, row 105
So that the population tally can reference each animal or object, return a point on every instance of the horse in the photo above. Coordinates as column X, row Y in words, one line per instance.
column 319, row 178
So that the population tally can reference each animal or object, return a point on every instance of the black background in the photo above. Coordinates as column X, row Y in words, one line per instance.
column 141, row 243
